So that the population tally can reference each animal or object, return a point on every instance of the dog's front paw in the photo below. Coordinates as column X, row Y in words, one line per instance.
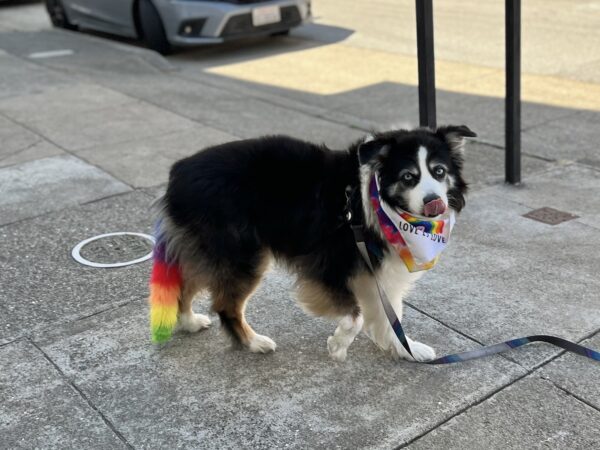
column 194, row 322
column 261, row 344
column 421, row 352
column 338, row 350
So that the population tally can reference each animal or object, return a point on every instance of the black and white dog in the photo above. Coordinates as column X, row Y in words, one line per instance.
column 230, row 209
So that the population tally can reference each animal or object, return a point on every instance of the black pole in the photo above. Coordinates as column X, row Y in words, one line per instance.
column 513, row 91
column 426, row 63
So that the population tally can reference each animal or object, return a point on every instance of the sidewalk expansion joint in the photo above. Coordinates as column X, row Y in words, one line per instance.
column 109, row 308
column 457, row 331
column 501, row 388
column 554, row 119
column 462, row 410
column 584, row 224
column 66, row 150
column 478, row 402
column 21, row 150
column 31, row 333
column 75, row 205
column 116, row 195
column 25, row 219
column 13, row 341
column 588, row 164
column 503, row 148
column 590, row 335
column 571, row 394
column 108, row 423
column 35, row 132
column 443, row 323
column 271, row 102
column 86, row 77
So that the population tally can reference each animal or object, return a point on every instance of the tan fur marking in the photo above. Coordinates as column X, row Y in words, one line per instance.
column 319, row 301
column 193, row 283
column 231, row 296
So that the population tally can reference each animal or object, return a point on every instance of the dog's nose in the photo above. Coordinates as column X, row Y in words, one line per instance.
column 433, row 205
column 430, row 197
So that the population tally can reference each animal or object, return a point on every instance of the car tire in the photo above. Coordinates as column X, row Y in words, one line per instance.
column 58, row 16
column 152, row 29
column 281, row 33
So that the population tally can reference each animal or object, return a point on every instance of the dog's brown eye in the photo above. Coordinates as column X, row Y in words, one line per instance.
column 439, row 171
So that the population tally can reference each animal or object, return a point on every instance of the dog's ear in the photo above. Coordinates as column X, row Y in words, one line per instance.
column 368, row 150
column 455, row 136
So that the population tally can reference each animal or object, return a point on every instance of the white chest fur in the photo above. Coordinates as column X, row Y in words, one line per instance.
column 396, row 281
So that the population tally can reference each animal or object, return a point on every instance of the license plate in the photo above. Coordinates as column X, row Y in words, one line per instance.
column 266, row 15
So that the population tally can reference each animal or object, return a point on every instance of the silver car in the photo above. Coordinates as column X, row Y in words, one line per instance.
column 163, row 24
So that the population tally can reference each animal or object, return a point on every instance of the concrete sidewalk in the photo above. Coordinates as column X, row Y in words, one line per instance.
column 85, row 145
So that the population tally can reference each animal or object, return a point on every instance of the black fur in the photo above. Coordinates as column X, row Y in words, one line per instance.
column 234, row 201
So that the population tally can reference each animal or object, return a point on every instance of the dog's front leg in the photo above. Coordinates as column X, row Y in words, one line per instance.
column 348, row 328
column 420, row 351
column 382, row 334
column 377, row 325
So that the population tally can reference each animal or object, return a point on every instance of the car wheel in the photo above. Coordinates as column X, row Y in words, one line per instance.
column 281, row 33
column 58, row 16
column 151, row 27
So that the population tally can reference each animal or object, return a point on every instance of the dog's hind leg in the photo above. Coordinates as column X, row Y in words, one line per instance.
column 230, row 295
column 347, row 330
column 188, row 319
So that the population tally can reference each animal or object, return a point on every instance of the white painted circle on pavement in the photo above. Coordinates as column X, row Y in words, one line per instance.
column 76, row 252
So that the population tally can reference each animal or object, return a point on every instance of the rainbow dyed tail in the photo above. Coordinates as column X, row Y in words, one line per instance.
column 165, row 289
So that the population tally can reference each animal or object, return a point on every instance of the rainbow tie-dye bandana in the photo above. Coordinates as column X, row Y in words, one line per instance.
column 419, row 241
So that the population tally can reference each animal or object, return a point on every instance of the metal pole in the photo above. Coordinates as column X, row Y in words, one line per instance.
column 426, row 61
column 513, row 91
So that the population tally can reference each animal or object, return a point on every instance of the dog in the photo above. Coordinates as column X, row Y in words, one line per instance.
column 230, row 209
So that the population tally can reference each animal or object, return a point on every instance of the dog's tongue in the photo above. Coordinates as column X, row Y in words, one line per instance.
column 434, row 208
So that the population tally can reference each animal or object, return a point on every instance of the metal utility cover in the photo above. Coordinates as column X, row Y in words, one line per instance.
column 550, row 216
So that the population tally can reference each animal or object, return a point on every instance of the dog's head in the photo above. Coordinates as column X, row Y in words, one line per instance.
column 420, row 171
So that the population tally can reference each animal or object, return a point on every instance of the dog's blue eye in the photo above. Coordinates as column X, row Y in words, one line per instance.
column 439, row 171
column 407, row 176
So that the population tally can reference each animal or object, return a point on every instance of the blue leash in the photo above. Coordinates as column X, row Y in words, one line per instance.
column 370, row 258
column 516, row 343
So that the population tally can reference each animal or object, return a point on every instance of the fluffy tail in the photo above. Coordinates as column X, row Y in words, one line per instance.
column 165, row 289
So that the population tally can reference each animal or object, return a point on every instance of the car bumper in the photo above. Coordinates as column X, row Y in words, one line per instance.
column 189, row 23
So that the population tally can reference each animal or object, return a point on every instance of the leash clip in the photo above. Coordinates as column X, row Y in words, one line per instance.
column 348, row 216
